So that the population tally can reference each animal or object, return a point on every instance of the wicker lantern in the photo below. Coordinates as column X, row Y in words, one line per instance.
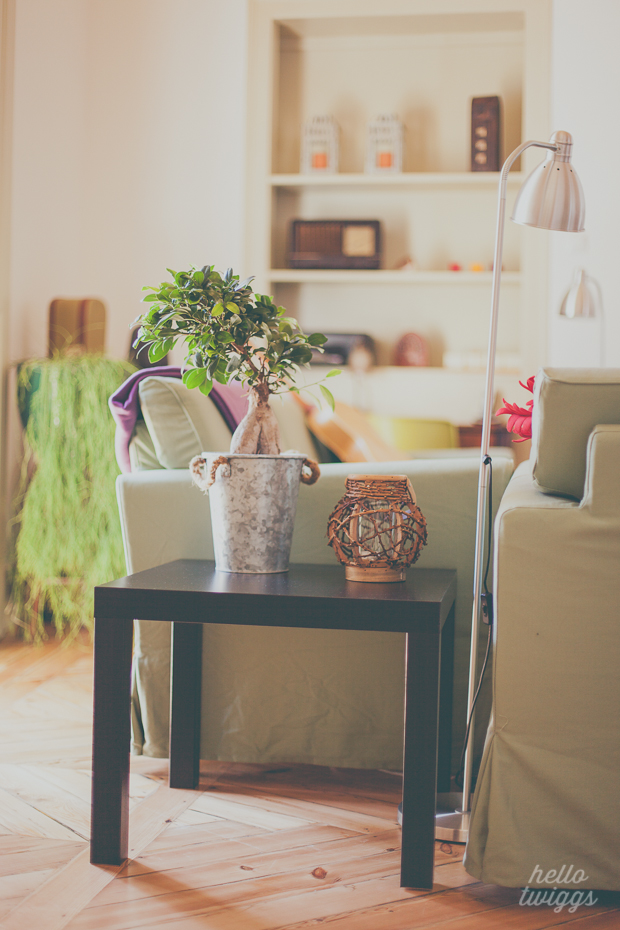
column 376, row 529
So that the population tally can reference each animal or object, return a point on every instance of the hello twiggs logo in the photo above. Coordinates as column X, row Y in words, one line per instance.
column 555, row 897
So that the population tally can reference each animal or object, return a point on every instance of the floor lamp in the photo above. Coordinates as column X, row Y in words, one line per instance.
column 551, row 197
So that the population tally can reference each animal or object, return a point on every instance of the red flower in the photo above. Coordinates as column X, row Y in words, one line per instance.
column 519, row 418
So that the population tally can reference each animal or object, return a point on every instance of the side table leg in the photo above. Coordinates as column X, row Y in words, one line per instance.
column 444, row 754
column 111, row 736
column 185, row 701
column 420, row 756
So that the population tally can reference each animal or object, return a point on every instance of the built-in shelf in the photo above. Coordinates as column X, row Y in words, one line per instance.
column 475, row 179
column 355, row 60
column 354, row 276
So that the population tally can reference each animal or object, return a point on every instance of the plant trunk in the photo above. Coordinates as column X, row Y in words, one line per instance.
column 258, row 432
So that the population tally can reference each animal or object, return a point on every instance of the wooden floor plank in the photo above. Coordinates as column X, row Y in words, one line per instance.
column 307, row 810
column 249, row 866
column 181, row 899
column 18, row 816
column 69, row 890
column 33, row 854
column 177, row 834
column 325, row 795
column 269, row 816
column 203, row 855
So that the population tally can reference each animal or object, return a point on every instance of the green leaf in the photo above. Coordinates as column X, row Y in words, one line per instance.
column 150, row 297
column 157, row 352
column 317, row 339
column 198, row 277
column 194, row 377
column 218, row 309
column 232, row 307
column 205, row 388
column 234, row 363
column 333, row 373
column 329, row 397
column 224, row 338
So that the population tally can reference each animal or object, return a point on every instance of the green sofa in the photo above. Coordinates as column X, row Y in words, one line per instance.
column 272, row 695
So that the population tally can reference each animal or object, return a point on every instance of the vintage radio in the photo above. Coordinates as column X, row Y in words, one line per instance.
column 485, row 134
column 335, row 244
column 341, row 346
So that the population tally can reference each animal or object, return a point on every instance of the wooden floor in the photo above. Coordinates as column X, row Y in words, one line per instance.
column 256, row 848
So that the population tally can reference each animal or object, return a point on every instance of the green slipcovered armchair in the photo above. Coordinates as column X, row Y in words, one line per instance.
column 324, row 697
column 546, row 800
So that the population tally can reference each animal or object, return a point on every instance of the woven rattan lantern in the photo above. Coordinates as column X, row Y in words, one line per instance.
column 377, row 529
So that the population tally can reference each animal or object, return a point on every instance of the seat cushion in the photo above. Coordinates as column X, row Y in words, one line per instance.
column 568, row 404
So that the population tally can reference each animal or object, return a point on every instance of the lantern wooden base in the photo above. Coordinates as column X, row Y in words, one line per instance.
column 378, row 573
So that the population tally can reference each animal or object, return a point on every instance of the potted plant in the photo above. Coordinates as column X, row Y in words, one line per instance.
column 230, row 333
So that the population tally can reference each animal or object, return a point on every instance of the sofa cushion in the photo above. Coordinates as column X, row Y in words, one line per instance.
column 142, row 455
column 184, row 423
column 568, row 404
column 181, row 423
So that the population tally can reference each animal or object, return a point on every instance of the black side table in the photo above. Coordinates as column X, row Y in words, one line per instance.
column 190, row 593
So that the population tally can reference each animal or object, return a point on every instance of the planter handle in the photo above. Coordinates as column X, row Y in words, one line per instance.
column 197, row 464
column 312, row 475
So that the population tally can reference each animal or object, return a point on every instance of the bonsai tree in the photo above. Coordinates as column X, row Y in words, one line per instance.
column 230, row 333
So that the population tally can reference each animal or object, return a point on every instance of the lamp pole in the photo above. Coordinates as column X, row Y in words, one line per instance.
column 485, row 467
column 455, row 826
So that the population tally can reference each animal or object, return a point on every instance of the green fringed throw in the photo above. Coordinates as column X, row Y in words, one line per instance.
column 69, row 530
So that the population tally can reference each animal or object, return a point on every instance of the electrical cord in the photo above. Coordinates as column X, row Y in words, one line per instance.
column 487, row 609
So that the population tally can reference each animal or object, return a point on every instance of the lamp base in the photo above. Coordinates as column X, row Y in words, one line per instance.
column 451, row 824
column 452, row 828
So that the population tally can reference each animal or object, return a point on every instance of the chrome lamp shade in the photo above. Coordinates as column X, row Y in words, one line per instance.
column 551, row 197
column 580, row 302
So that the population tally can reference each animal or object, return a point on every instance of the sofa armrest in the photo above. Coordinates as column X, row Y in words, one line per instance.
column 602, row 488
column 163, row 517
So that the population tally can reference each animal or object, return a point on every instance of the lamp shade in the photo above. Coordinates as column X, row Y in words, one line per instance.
column 580, row 301
column 551, row 197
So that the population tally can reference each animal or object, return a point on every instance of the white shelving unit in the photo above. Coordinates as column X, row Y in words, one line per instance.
column 423, row 60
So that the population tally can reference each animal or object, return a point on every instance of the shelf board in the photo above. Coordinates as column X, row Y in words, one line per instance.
column 354, row 276
column 423, row 179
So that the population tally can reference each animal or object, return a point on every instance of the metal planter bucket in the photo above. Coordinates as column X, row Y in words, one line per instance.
column 253, row 501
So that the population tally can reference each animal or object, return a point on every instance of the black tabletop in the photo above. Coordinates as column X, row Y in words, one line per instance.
column 316, row 596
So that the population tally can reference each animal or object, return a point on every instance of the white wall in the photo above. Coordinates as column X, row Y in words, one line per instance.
column 585, row 87
column 129, row 144
column 129, row 151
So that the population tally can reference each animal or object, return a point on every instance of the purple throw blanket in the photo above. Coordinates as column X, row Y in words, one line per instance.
column 230, row 400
